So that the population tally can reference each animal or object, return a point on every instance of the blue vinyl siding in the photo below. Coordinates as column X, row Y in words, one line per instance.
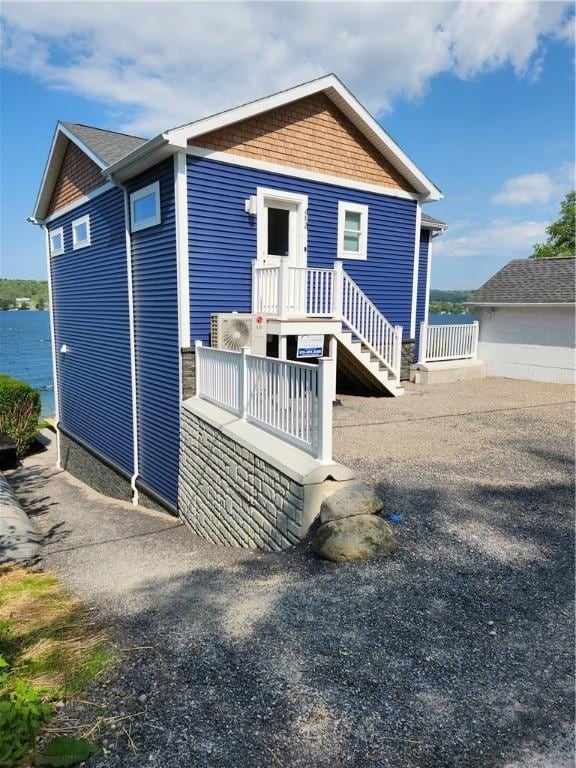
column 90, row 295
column 156, row 336
column 222, row 240
column 422, row 281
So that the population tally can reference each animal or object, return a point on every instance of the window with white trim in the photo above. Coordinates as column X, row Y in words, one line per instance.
column 352, row 230
column 145, row 207
column 81, row 233
column 57, row 241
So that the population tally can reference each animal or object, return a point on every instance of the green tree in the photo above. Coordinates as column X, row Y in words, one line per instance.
column 40, row 304
column 561, row 233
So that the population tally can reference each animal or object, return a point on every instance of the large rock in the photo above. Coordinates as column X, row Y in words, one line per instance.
column 362, row 537
column 358, row 498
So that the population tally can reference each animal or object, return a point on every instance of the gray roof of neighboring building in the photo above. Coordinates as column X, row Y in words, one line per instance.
column 433, row 223
column 530, row 281
column 108, row 145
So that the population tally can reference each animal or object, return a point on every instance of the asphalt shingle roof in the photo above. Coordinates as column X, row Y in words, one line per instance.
column 431, row 220
column 530, row 281
column 108, row 145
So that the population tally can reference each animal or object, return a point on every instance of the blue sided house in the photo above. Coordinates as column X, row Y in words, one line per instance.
column 292, row 225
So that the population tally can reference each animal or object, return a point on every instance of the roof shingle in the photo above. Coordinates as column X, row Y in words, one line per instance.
column 108, row 145
column 530, row 281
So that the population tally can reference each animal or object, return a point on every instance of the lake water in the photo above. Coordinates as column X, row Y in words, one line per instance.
column 25, row 351
column 26, row 354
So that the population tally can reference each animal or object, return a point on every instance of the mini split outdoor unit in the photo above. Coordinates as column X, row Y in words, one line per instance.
column 234, row 330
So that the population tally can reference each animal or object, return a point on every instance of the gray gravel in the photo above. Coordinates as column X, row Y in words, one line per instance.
column 454, row 653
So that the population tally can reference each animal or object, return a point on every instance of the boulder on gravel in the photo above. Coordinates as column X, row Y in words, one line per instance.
column 362, row 537
column 357, row 498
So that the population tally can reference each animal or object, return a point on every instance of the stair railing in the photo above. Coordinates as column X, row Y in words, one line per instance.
column 366, row 321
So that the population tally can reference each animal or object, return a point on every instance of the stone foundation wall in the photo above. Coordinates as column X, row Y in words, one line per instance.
column 188, row 372
column 93, row 470
column 408, row 352
column 230, row 496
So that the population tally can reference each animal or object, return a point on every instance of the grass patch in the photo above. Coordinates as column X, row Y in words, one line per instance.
column 50, row 650
column 43, row 424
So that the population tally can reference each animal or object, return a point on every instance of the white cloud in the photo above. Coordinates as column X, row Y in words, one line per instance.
column 155, row 65
column 532, row 188
column 500, row 239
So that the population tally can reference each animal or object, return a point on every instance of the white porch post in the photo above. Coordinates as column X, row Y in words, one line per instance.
column 282, row 347
column 475, row 334
column 333, row 354
column 423, row 342
column 254, row 289
column 337, row 290
column 243, row 383
column 283, row 278
column 325, row 389
column 398, row 351
column 197, row 345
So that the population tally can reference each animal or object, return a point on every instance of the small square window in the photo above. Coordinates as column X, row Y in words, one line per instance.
column 352, row 231
column 81, row 233
column 145, row 207
column 57, row 241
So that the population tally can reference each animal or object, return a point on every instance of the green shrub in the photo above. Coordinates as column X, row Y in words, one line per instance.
column 19, row 411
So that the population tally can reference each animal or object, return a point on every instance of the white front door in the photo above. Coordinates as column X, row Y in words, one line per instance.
column 282, row 241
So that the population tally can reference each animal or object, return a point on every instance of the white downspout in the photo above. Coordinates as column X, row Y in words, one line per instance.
column 131, row 322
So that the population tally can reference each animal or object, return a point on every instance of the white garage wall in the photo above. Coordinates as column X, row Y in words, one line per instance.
column 535, row 343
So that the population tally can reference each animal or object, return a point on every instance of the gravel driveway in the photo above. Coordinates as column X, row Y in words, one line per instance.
column 455, row 653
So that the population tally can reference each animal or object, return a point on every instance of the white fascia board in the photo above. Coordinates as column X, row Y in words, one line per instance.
column 84, row 147
column 299, row 173
column 436, row 227
column 106, row 187
column 145, row 156
column 57, row 149
column 342, row 97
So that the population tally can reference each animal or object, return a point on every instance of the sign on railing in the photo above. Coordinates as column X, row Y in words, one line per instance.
column 291, row 400
column 448, row 342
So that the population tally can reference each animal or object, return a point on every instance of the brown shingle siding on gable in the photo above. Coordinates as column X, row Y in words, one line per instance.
column 311, row 134
column 78, row 176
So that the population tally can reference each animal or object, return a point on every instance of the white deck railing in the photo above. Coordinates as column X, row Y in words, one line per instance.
column 448, row 342
column 287, row 292
column 369, row 325
column 291, row 400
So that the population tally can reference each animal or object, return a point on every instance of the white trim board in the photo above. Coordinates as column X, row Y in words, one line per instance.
column 53, row 346
column 106, row 187
column 299, row 173
column 182, row 256
column 415, row 271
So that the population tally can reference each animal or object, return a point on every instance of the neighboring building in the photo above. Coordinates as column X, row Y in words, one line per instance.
column 298, row 208
column 22, row 300
column 527, row 320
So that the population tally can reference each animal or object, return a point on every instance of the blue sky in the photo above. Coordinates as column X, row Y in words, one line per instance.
column 480, row 95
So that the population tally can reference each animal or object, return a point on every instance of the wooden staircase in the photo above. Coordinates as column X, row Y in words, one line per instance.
column 358, row 363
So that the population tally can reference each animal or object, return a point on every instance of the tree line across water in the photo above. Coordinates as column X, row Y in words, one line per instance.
column 14, row 292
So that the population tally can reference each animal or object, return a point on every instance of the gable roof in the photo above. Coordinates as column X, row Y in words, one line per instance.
column 330, row 85
column 109, row 146
column 429, row 222
column 102, row 147
column 530, row 281
column 121, row 156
